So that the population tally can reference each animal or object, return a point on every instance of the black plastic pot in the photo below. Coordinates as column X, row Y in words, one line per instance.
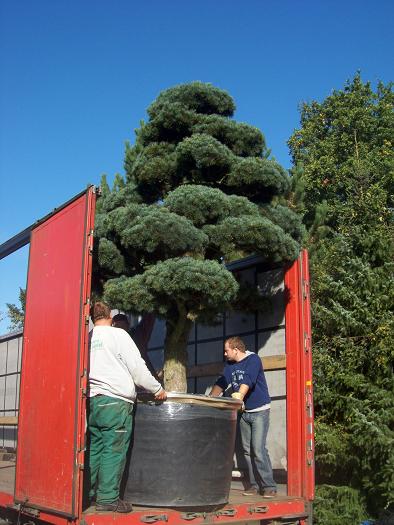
column 182, row 451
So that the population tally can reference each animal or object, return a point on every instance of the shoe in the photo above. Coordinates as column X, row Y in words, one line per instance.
column 251, row 491
column 116, row 506
column 269, row 494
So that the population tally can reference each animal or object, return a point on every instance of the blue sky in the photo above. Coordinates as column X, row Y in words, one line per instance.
column 78, row 75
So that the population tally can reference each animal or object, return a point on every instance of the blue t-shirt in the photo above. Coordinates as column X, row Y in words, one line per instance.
column 249, row 371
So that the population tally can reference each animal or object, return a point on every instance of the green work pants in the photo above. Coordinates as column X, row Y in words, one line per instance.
column 110, row 424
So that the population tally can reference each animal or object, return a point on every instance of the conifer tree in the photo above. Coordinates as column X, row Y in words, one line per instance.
column 16, row 314
column 345, row 148
column 199, row 192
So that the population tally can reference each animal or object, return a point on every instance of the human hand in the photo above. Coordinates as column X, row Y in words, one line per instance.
column 161, row 395
column 237, row 395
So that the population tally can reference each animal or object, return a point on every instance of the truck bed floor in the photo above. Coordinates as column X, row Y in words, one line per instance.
column 235, row 498
column 7, row 482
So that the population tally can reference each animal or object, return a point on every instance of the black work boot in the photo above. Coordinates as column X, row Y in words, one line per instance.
column 116, row 506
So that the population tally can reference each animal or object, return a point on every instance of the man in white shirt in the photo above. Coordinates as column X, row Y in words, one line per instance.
column 116, row 367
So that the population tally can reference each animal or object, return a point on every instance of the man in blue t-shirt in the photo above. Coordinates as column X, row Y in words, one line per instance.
column 243, row 375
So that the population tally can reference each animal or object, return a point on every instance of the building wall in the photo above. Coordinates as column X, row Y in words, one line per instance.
column 10, row 366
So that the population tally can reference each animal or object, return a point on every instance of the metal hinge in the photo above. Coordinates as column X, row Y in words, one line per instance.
column 305, row 289
column 83, row 383
column 151, row 518
column 258, row 510
column 309, row 404
column 188, row 516
column 22, row 508
column 309, row 452
column 80, row 458
column 226, row 512
column 87, row 310
column 307, row 342
column 90, row 241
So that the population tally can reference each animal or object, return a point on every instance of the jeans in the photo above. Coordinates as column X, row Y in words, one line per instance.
column 254, row 428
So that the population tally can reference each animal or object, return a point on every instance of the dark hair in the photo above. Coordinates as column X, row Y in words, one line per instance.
column 122, row 318
column 100, row 311
column 236, row 342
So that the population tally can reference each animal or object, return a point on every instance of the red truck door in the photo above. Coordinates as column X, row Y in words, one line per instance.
column 54, row 363
column 300, row 425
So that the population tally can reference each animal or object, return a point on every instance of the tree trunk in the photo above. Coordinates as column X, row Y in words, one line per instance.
column 175, row 355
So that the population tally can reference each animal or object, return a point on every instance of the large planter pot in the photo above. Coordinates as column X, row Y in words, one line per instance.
column 182, row 451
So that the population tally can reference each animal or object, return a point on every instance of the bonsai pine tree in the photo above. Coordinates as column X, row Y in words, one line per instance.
column 199, row 192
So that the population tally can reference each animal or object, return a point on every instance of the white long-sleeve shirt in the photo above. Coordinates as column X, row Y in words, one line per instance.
column 116, row 365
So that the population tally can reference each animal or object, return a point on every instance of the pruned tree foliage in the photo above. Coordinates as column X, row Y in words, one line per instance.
column 345, row 161
column 199, row 192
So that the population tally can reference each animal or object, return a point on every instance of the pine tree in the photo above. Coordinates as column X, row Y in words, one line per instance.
column 16, row 314
column 199, row 192
column 344, row 147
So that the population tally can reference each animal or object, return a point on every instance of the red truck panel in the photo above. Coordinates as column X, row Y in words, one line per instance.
column 307, row 378
column 50, row 432
column 300, row 440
